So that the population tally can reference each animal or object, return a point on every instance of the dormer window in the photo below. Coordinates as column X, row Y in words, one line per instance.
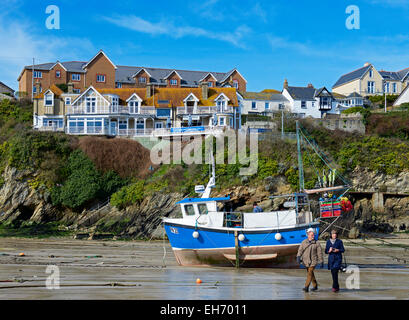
column 134, row 103
column 173, row 82
column 235, row 84
column 191, row 101
column 58, row 74
column 221, row 102
column 142, row 80
column 133, row 106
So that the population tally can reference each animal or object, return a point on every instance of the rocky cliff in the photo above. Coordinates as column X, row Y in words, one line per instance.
column 21, row 201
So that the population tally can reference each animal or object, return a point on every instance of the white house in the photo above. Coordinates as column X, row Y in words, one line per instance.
column 403, row 97
column 262, row 103
column 309, row 101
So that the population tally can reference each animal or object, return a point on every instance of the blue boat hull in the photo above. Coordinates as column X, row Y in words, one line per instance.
column 259, row 248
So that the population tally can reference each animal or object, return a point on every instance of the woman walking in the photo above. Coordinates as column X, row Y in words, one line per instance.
column 334, row 249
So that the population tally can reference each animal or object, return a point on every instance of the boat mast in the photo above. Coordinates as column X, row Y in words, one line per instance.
column 300, row 164
column 212, row 180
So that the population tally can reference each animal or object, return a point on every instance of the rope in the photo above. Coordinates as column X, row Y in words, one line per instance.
column 369, row 248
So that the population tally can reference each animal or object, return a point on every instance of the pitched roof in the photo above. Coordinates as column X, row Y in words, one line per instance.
column 54, row 89
column 356, row 74
column 302, row 93
column 6, row 86
column 263, row 96
column 354, row 95
column 173, row 96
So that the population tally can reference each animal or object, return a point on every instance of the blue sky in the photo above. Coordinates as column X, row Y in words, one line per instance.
column 268, row 41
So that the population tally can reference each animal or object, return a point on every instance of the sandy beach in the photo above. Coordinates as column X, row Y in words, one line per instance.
column 148, row 270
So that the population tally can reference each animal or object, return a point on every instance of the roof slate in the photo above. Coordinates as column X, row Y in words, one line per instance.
column 356, row 74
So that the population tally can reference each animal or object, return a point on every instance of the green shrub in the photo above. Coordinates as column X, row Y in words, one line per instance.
column 128, row 195
column 82, row 185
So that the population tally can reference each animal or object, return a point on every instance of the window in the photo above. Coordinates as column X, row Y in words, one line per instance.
column 100, row 78
column 221, row 104
column 312, row 104
column 370, row 73
column 231, row 122
column 235, row 84
column 158, row 125
column 94, row 125
column 142, row 80
column 75, row 77
column 173, row 82
column 76, row 125
column 371, row 87
column 394, row 87
column 133, row 106
column 118, row 85
column 202, row 208
column 221, row 121
column 210, row 84
column 56, row 123
column 38, row 74
column 189, row 210
column 303, row 105
column 91, row 101
column 163, row 112
column 123, row 124
column 281, row 106
column 58, row 74
column 76, row 90
column 67, row 101
column 253, row 105
column 48, row 99
column 267, row 105
column 140, row 124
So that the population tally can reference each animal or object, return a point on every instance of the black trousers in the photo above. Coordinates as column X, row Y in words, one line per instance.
column 334, row 273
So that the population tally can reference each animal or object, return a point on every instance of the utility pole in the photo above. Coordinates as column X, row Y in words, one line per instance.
column 384, row 89
column 282, row 123
column 32, row 82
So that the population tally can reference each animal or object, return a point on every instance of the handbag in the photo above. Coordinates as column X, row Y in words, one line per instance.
column 344, row 266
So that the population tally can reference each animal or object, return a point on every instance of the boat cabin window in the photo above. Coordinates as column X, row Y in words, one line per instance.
column 202, row 208
column 189, row 210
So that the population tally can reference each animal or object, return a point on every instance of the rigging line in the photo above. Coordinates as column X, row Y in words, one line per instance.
column 361, row 245
column 320, row 152
column 326, row 163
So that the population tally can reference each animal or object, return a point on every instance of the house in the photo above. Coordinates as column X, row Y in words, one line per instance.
column 262, row 103
column 309, row 101
column 367, row 81
column 402, row 98
column 352, row 100
column 137, row 111
column 6, row 89
column 101, row 73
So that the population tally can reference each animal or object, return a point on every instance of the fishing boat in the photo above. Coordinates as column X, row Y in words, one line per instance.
column 210, row 235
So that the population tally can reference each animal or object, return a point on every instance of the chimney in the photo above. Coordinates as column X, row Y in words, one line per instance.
column 149, row 90
column 366, row 64
column 205, row 90
column 70, row 86
column 285, row 84
column 310, row 85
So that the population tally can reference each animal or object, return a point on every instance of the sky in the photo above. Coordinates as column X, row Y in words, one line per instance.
column 267, row 41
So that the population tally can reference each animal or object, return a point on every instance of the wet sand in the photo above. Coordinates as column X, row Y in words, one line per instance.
column 148, row 270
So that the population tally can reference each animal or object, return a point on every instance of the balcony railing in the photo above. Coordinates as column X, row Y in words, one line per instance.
column 51, row 128
column 203, row 110
column 111, row 110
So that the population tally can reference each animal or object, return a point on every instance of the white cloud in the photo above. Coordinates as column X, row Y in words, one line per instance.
column 20, row 43
column 168, row 28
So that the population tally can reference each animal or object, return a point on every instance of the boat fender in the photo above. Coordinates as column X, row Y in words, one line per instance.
column 241, row 237
column 195, row 234
column 278, row 236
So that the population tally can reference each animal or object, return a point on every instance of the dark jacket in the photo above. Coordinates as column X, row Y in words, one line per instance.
column 335, row 258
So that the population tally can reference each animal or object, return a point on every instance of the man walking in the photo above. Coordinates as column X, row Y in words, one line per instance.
column 310, row 254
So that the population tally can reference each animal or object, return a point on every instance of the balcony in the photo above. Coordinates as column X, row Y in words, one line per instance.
column 115, row 110
column 202, row 110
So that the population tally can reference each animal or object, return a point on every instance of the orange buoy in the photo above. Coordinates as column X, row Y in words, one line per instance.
column 198, row 281
column 21, row 254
